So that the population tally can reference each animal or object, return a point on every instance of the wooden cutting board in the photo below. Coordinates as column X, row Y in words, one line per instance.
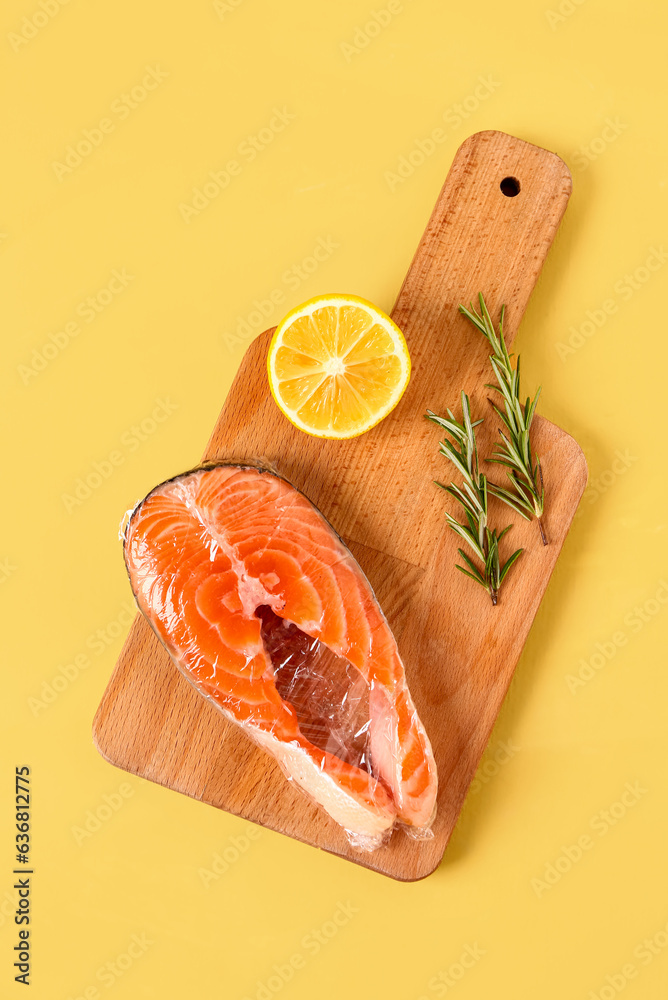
column 377, row 491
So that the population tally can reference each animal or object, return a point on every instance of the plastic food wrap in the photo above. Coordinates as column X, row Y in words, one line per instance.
column 268, row 615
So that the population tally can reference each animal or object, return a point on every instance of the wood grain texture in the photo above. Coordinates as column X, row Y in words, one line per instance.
column 377, row 491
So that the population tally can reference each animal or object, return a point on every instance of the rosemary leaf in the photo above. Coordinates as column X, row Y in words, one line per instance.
column 514, row 451
column 462, row 451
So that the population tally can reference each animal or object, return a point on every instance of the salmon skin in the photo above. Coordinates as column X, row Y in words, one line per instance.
column 267, row 614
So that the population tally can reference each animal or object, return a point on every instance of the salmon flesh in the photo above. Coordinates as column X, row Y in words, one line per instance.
column 267, row 614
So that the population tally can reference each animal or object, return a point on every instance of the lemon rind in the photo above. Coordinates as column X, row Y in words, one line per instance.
column 334, row 299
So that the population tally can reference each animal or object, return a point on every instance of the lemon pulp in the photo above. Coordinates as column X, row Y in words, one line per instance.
column 337, row 365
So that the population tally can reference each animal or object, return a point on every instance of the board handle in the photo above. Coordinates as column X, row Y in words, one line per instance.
column 494, row 222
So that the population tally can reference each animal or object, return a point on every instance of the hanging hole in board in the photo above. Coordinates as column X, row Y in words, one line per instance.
column 510, row 186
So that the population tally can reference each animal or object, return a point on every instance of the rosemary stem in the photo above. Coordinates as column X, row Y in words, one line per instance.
column 542, row 530
column 527, row 491
column 460, row 447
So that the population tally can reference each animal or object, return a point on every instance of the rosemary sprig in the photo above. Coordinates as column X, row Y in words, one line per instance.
column 523, row 469
column 462, row 451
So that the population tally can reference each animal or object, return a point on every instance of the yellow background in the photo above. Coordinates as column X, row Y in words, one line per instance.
column 588, row 83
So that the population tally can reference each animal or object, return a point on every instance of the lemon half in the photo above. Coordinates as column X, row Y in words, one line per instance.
column 337, row 365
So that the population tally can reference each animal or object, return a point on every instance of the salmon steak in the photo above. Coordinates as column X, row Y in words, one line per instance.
column 268, row 615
